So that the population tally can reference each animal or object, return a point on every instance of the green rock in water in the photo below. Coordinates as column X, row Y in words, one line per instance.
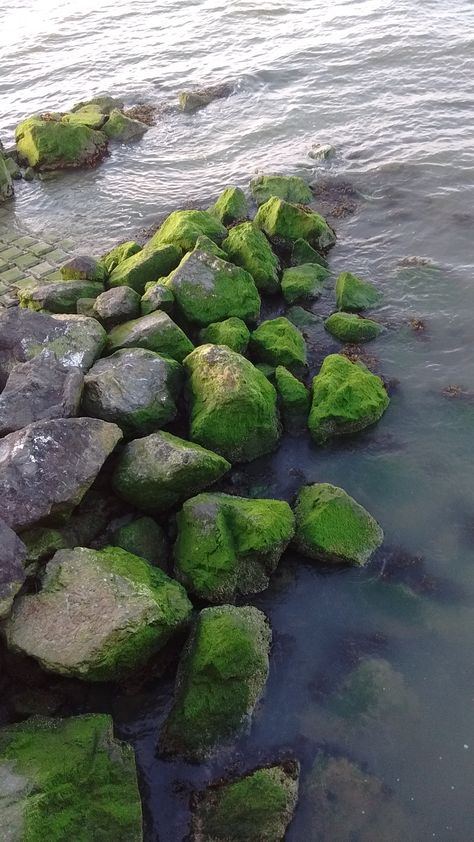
column 58, row 296
column 103, row 102
column 292, row 188
column 302, row 252
column 231, row 206
column 286, row 223
column 83, row 268
column 233, row 406
column 183, row 227
column 101, row 614
column 232, row 332
column 156, row 332
column 203, row 243
column 374, row 692
column 332, row 527
column 304, row 282
column 149, row 264
column 349, row 327
column 257, row 807
column 221, row 677
column 123, row 128
column 145, row 538
column 54, row 145
column 118, row 254
column 309, row 324
column 159, row 471
column 347, row 397
column 157, row 296
column 116, row 305
column 68, row 779
column 229, row 545
column 278, row 342
column 353, row 294
column 208, row 289
column 190, row 101
column 246, row 246
column 88, row 115
column 294, row 397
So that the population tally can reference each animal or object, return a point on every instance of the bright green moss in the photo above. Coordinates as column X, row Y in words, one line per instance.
column 88, row 115
column 278, row 342
column 203, row 243
column 149, row 264
column 231, row 206
column 353, row 294
column 232, row 332
column 118, row 254
column 302, row 252
column 293, row 396
column 348, row 327
column 286, row 223
column 246, row 246
column 303, row 282
column 183, row 227
column 156, row 332
column 292, row 188
column 145, row 538
column 51, row 144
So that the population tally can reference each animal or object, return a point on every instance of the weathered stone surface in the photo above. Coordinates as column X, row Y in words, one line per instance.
column 233, row 406
column 39, row 390
column 348, row 327
column 156, row 332
column 303, row 282
column 118, row 254
column 161, row 470
column 286, row 223
column 83, row 268
column 232, row 332
column 47, row 468
column 12, row 568
column 257, row 807
column 231, row 206
column 278, row 342
column 221, row 677
column 145, row 538
column 183, row 227
column 117, row 305
column 54, row 145
column 100, row 615
column 68, row 779
column 123, row 128
column 353, row 294
column 292, row 188
column 57, row 296
column 321, row 151
column 149, row 264
column 229, row 545
column 134, row 388
column 157, row 296
column 190, row 101
column 309, row 324
column 248, row 247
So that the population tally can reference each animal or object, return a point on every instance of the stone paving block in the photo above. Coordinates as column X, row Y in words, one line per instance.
column 54, row 276
column 58, row 256
column 11, row 275
column 41, row 269
column 26, row 261
column 67, row 245
column 40, row 248
column 3, row 264
column 24, row 242
column 9, row 236
column 9, row 252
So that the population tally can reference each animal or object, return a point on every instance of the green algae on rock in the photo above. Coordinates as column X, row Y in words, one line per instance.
column 157, row 296
column 123, row 128
column 353, row 294
column 88, row 115
column 229, row 545
column 118, row 254
column 302, row 252
column 100, row 615
column 278, row 342
column 157, row 472
column 294, row 398
column 183, row 227
column 190, row 101
column 156, row 332
column 233, row 406
column 304, row 282
column 53, row 145
column 68, row 779
column 58, row 296
column 292, row 188
column 232, row 332
column 149, row 264
column 348, row 327
column 285, row 223
column 374, row 691
column 347, row 397
column 231, row 206
column 249, row 248
column 257, row 807
column 204, row 243
column 332, row 527
column 221, row 677
column 145, row 538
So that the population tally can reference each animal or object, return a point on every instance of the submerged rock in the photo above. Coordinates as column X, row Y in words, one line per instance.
column 287, row 223
column 303, row 282
column 348, row 327
column 149, row 264
column 332, row 527
column 157, row 296
column 221, row 677
column 12, row 570
column 229, row 545
column 47, row 468
column 155, row 332
column 248, row 247
column 232, row 332
column 118, row 254
column 346, row 398
column 292, row 188
column 231, row 206
column 257, row 807
column 123, row 128
column 374, row 692
column 145, row 538
column 68, row 779
column 157, row 472
column 100, row 615
column 278, row 342
column 190, row 101
column 54, row 145
column 353, row 294
column 183, row 227
column 83, row 268
column 117, row 305
column 233, row 406
column 57, row 296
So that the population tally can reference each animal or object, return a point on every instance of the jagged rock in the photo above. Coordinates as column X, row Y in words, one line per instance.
column 118, row 254
column 145, row 538
column 155, row 332
column 231, row 206
column 52, row 144
column 248, row 247
column 278, row 342
column 348, row 327
column 149, row 264
column 12, row 569
column 57, row 296
column 232, row 332
column 157, row 296
column 285, row 223
column 123, row 128
column 190, row 101
column 292, row 188
column 303, row 282
column 183, row 227
column 353, row 294
column 83, row 268
column 117, row 305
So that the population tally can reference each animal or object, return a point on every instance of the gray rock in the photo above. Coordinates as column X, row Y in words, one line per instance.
column 83, row 268
column 157, row 297
column 190, row 101
column 103, row 102
column 12, row 570
column 58, row 296
column 85, row 307
column 13, row 168
column 321, row 151
column 156, row 332
column 122, row 128
column 47, row 468
column 117, row 305
column 39, row 390
column 134, row 388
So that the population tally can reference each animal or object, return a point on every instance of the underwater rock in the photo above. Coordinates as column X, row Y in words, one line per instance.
column 353, row 294
column 231, row 206
column 286, row 223
column 291, row 188
column 83, row 268
column 309, row 324
column 278, row 342
column 348, row 327
column 12, row 569
column 157, row 296
column 123, row 128
column 183, row 227
column 53, row 144
column 190, row 101
column 303, row 282
column 248, row 247
column 232, row 332
column 118, row 254
column 145, row 538
column 116, row 305
column 374, row 691
column 148, row 264
column 155, row 332
column 57, row 296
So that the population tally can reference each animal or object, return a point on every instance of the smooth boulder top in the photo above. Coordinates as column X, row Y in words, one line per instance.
column 54, row 144
column 348, row 327
column 157, row 296
column 118, row 254
column 183, row 227
column 83, row 268
column 150, row 263
column 12, row 568
column 155, row 332
column 231, row 206
column 292, row 188
column 57, row 296
column 248, row 247
column 303, row 282
column 354, row 294
column 232, row 332
column 119, row 304
column 285, row 222
column 278, row 342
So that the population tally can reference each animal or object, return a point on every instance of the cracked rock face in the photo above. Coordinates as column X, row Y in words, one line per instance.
column 12, row 571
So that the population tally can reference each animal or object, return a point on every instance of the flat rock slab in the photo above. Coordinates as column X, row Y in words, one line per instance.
column 12, row 571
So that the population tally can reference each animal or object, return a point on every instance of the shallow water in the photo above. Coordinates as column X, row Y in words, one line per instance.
column 390, row 85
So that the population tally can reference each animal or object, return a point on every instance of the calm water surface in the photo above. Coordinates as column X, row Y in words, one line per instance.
column 391, row 86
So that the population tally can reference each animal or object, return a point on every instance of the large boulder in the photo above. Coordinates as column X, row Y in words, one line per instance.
column 332, row 527
column 248, row 247
column 231, row 206
column 47, row 468
column 221, row 677
column 354, row 294
column 146, row 265
column 233, row 405
column 347, row 397
column 134, row 388
column 39, row 390
column 156, row 332
column 278, row 342
column 157, row 472
column 53, row 144
column 257, row 807
column 68, row 779
column 292, row 188
column 100, row 614
column 232, row 332
column 116, row 305
column 302, row 252
column 229, row 545
column 303, row 283
column 58, row 296
column 12, row 567
column 183, row 227
column 208, row 289
column 349, row 327
column 285, row 223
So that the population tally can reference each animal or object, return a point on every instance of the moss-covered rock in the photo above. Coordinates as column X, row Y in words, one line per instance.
column 58, row 296
column 103, row 102
column 302, row 252
column 53, row 145
column 257, row 807
column 204, row 243
column 278, row 342
column 123, row 128
column 346, row 398
column 348, row 327
column 233, row 406
column 68, row 779
column 100, row 615
column 304, row 282
column 157, row 296
column 248, row 247
column 221, row 677
column 353, row 294
column 88, row 115
column 118, row 254
column 83, row 268
column 145, row 538
column 156, row 332
column 292, row 188
column 149, row 264
column 231, row 206
column 293, row 396
column 232, row 332
column 332, row 527
column 116, row 305
column 157, row 472
column 286, row 223
column 183, row 227
column 229, row 545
